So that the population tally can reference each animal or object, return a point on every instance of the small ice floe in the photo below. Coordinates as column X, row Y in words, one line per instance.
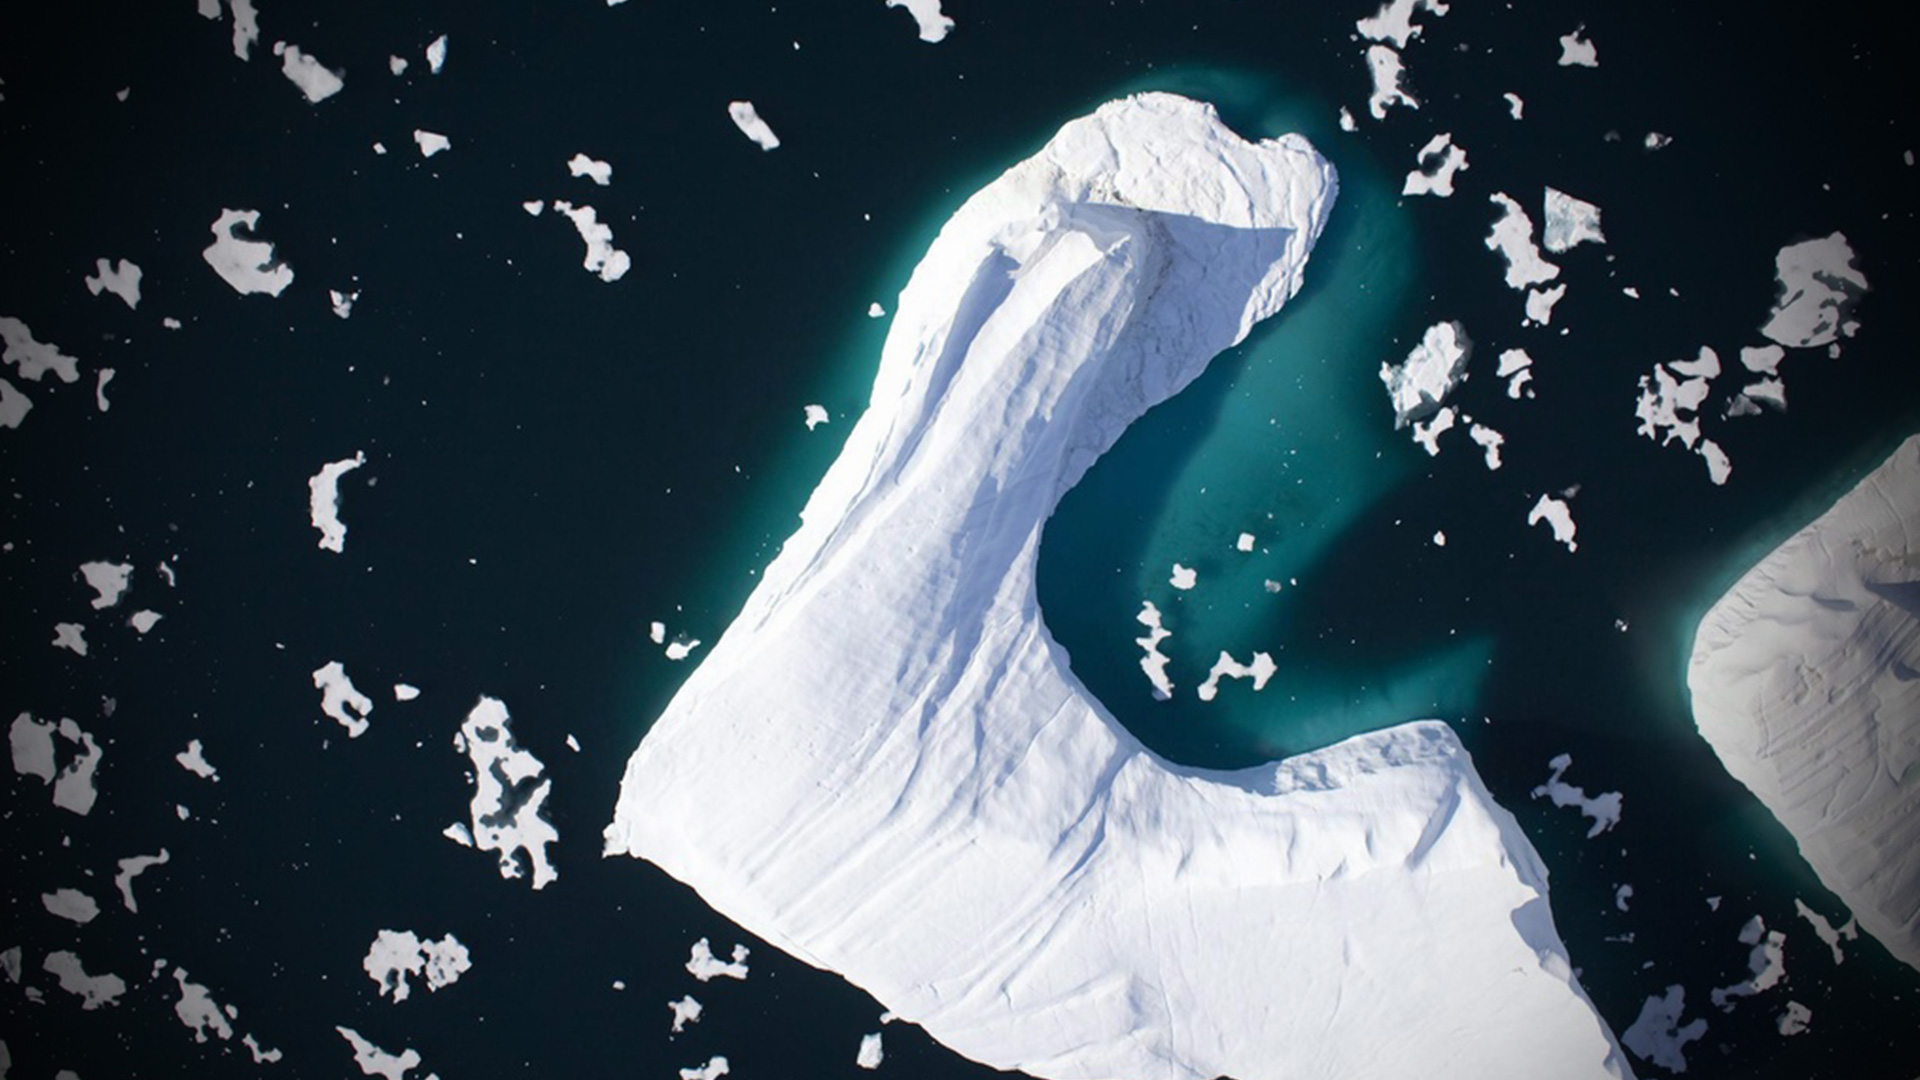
column 1669, row 404
column 597, row 171
column 131, row 868
column 875, row 311
column 1260, row 670
column 1515, row 367
column 396, row 954
column 1602, row 810
column 108, row 580
column 506, row 819
column 602, row 257
column 100, row 381
column 374, row 1061
column 1766, row 964
column 1394, row 21
column 342, row 302
column 681, row 648
column 34, row 358
column 1569, row 222
column 92, row 990
column 1438, row 161
column 397, row 65
column 1621, row 895
column 1417, row 385
column 71, row 637
column 685, row 1011
column 1489, row 442
column 194, row 760
column 815, row 415
column 1818, row 286
column 143, row 620
column 533, row 207
column 1347, row 122
column 1427, row 432
column 1183, row 577
column 1154, row 663
column 243, row 262
column 1512, row 237
column 198, row 1012
column 430, row 142
column 927, row 16
column 1540, row 304
column 70, row 904
column 1794, row 1020
column 1243, row 542
column 437, row 54
column 122, row 281
column 715, row 1068
column 703, row 965
column 405, row 691
column 339, row 700
column 33, row 755
column 317, row 81
column 1516, row 107
column 323, row 501
column 747, row 119
column 1829, row 935
column 871, row 1052
column 1439, row 538
column 1657, row 1035
column 1383, row 64
column 14, row 405
column 1576, row 51
column 246, row 23
column 1656, row 141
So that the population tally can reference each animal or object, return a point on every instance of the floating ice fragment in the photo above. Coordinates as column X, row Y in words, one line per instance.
column 1512, row 237
column 602, row 257
column 1576, row 51
column 533, row 207
column 315, row 80
column 108, row 581
column 1825, row 930
column 92, row 990
column 1766, row 962
column 509, row 795
column 1515, row 106
column 70, row 636
column 437, row 54
column 374, row 1061
column 748, row 121
column 716, row 1067
column 1347, row 122
column 13, row 405
column 340, row 700
column 143, row 620
column 1427, row 432
column 816, row 415
column 1657, row 1035
column 1154, row 663
column 599, row 172
column 703, row 965
column 198, row 1011
column 34, row 358
column 1514, row 365
column 875, row 311
column 1602, row 810
column 430, row 142
column 193, row 759
column 1795, row 1019
column 1438, row 160
column 681, row 649
column 1244, row 542
column 933, row 24
column 1818, row 288
column 1183, row 577
column 343, row 302
column 871, row 1053
column 32, row 744
column 131, row 868
column 396, row 954
column 1394, row 21
column 405, row 692
column 1569, row 222
column 1657, row 141
column 101, row 379
column 1260, row 670
column 1719, row 466
column 245, row 263
column 1540, row 304
column 1558, row 517
column 1439, row 539
column 1417, row 385
column 1762, row 360
column 323, row 501
column 1489, row 441
column 70, row 904
column 685, row 1011
column 396, row 65
column 1384, row 65
column 1621, row 895
column 122, row 281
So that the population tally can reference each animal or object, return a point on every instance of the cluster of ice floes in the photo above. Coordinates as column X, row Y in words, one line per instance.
column 1659, row 1034
column 35, row 753
column 1418, row 386
column 31, row 360
column 679, row 648
column 1390, row 30
column 1766, row 964
column 1154, row 663
column 703, row 965
column 396, row 954
column 928, row 802
column 927, row 16
column 1802, row 679
column 510, row 788
column 1603, row 810
column 747, row 119
column 1669, row 407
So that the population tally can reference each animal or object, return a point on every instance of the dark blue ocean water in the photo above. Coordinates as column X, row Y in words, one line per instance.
column 554, row 461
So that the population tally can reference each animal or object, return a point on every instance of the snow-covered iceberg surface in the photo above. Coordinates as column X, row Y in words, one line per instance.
column 920, row 795
column 1804, row 683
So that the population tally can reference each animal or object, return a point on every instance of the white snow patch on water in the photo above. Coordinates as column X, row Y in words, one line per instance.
column 122, row 281
column 502, row 820
column 747, row 119
column 1603, row 810
column 339, row 700
column 323, row 501
column 927, row 16
column 703, row 965
column 242, row 261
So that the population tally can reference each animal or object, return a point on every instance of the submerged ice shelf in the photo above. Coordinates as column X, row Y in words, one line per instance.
column 921, row 795
column 1803, row 683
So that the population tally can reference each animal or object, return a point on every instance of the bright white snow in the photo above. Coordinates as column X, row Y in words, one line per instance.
column 597, row 171
column 317, row 81
column 815, row 415
column 1818, row 287
column 925, row 800
column 340, row 700
column 1383, row 64
column 70, row 636
column 1802, row 679
column 748, row 121
column 1183, row 577
column 933, row 25
column 1514, row 367
column 602, row 257
column 242, row 261
column 108, row 581
column 1558, row 516
column 437, row 54
column 396, row 954
column 1569, row 222
column 323, row 501
column 715, row 1068
column 872, row 1051
column 122, row 281
column 703, row 965
column 509, row 795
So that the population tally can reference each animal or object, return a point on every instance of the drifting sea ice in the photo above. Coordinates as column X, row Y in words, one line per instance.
column 242, row 261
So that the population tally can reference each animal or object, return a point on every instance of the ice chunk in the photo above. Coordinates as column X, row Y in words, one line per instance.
column 599, row 172
column 1260, row 670
column 143, row 620
column 1394, row 21
column 1489, row 441
column 1417, row 385
column 1516, row 108
column 1825, row 931
column 1602, row 810
column 1512, row 237
column 1576, row 51
column 1766, row 962
column 374, row 1061
column 933, row 24
column 338, row 698
column 1183, row 577
column 122, row 281
column 323, row 501
column 101, row 379
column 1438, row 161
column 1154, row 663
column 703, row 965
column 815, row 415
column 602, row 257
column 32, row 744
column 1719, row 466
column 681, row 648
column 404, row 692
column 396, row 954
column 748, row 121
column 1818, row 288
column 1569, row 222
column 1514, row 365
column 315, row 80
column 685, row 1011
column 343, row 302
column 437, row 54
column 71, row 637
column 1558, row 517
column 1762, row 360
column 935, row 807
column 1802, row 679
column 1795, row 1019
column 509, row 794
column 246, row 23
column 13, row 405
column 1243, row 542
column 243, row 262
column 875, row 311
column 1621, row 895
column 1540, row 304
column 533, row 207
column 34, row 358
column 131, row 868
column 872, row 1052
column 92, row 990
column 1657, row 1035
column 1384, row 65
column 396, row 65
column 261, row 1055
column 430, row 142
column 716, row 1067
column 71, row 904
column 1427, row 432
column 108, row 581
column 198, row 1011
column 73, row 789
column 194, row 761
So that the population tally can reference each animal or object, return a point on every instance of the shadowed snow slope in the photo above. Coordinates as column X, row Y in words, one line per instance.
column 886, row 768
column 1803, row 681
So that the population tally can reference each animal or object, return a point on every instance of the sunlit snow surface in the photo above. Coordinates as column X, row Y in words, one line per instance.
column 924, row 798
column 1803, row 683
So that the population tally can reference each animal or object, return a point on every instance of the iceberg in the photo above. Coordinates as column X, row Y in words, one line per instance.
column 1803, row 683
column 921, row 795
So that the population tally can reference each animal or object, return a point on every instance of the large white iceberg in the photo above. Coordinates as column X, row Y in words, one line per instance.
column 1804, row 683
column 920, row 794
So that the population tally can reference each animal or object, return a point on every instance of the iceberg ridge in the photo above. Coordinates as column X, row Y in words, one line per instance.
column 920, row 795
